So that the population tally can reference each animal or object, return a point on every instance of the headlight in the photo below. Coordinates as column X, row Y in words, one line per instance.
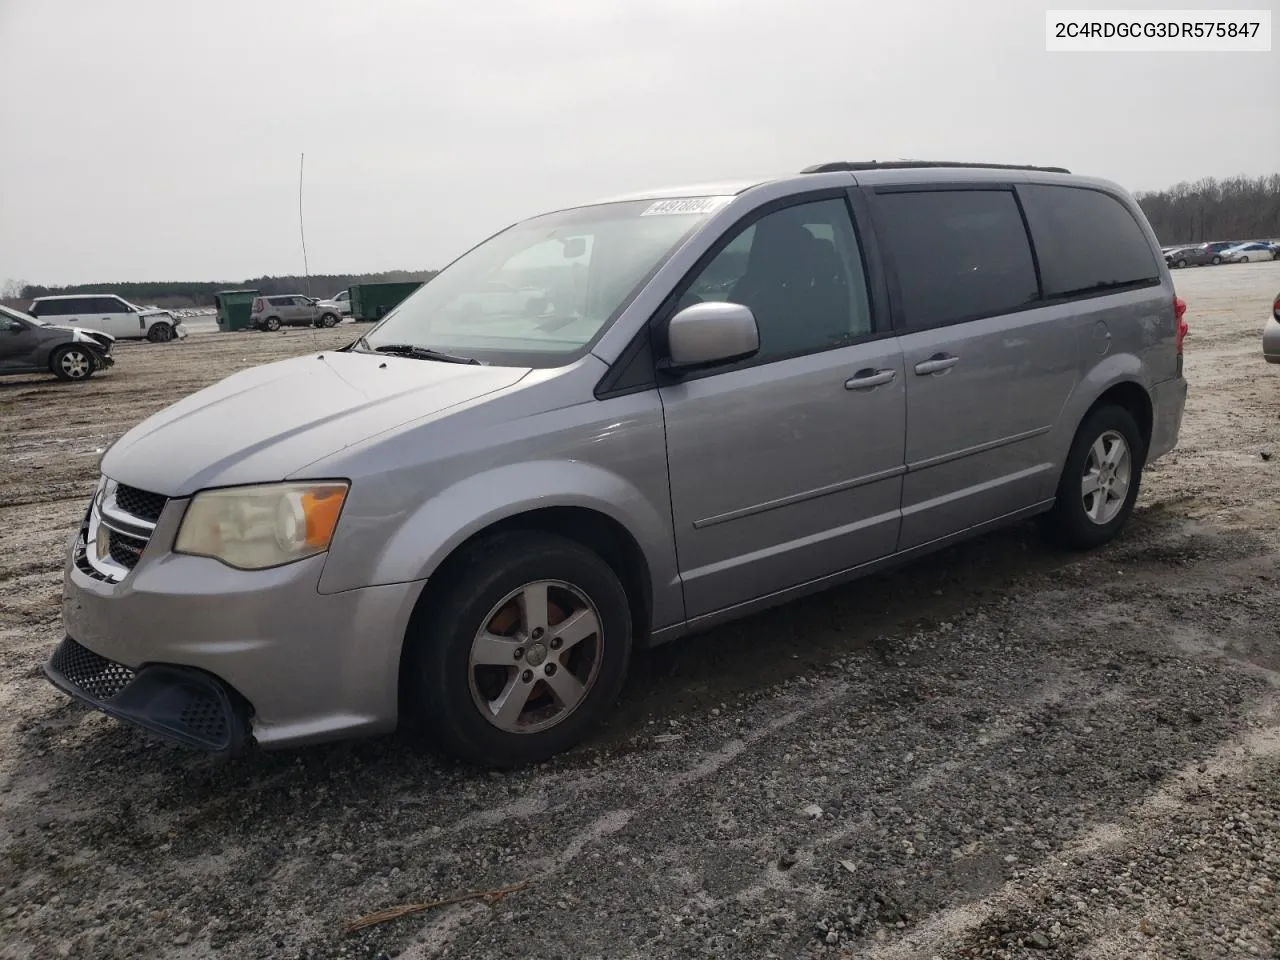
column 257, row 527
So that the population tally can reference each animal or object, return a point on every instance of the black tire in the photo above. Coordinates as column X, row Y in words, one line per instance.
column 73, row 362
column 438, row 677
column 1243, row 260
column 1216, row 259
column 272, row 324
column 329, row 320
column 1069, row 524
column 1180, row 264
column 160, row 333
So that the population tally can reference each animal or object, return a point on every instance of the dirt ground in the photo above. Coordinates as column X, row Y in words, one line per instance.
column 1002, row 751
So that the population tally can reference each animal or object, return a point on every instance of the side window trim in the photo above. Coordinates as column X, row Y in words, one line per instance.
column 650, row 339
column 892, row 281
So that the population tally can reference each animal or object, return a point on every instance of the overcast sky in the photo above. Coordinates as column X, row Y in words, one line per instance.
column 153, row 139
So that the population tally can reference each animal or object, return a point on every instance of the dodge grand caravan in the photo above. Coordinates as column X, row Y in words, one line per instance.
column 729, row 396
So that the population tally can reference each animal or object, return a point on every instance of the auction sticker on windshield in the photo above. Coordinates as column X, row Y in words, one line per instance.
column 685, row 205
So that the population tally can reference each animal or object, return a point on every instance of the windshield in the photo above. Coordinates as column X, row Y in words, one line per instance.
column 539, row 293
column 22, row 317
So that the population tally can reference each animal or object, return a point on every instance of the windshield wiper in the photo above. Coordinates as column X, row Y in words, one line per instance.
column 423, row 353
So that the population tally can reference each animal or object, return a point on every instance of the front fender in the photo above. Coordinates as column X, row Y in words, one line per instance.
column 422, row 539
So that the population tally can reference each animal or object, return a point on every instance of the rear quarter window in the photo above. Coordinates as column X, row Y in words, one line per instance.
column 1086, row 240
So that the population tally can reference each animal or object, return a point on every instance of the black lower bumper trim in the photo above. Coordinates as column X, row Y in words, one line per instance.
column 180, row 704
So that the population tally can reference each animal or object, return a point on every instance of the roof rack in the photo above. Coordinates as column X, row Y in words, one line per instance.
column 840, row 166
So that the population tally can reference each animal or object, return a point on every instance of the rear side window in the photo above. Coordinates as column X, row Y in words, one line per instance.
column 281, row 301
column 1086, row 240
column 959, row 254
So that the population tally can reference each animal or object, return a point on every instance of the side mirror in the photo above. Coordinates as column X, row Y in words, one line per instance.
column 706, row 334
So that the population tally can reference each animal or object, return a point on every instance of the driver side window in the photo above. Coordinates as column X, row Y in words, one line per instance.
column 800, row 271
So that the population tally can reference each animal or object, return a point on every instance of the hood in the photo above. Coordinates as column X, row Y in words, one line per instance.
column 268, row 422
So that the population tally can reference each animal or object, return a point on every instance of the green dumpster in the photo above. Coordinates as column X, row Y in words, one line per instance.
column 372, row 301
column 233, row 308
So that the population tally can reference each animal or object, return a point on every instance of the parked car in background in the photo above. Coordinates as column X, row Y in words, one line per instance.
column 342, row 300
column 291, row 310
column 107, row 313
column 1271, row 334
column 1178, row 257
column 1201, row 255
column 29, row 345
column 474, row 522
column 1254, row 251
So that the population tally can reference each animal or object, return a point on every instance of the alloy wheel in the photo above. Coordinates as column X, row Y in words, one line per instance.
column 535, row 657
column 1108, row 471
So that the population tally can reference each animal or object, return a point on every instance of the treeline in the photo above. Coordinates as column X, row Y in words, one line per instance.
column 1238, row 208
column 187, row 294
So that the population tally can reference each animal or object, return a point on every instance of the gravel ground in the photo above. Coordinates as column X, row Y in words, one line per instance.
column 999, row 752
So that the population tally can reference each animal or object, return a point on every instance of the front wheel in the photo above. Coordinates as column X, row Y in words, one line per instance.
column 1100, row 480
column 72, row 362
column 1217, row 260
column 520, row 651
column 329, row 320
column 1180, row 264
column 160, row 333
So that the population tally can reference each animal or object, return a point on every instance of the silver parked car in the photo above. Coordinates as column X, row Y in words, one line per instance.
column 30, row 345
column 292, row 310
column 733, row 395
column 1271, row 334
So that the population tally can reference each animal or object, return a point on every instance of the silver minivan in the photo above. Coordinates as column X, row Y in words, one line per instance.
column 723, row 398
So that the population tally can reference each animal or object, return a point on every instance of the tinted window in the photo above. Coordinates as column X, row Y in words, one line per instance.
column 281, row 301
column 57, row 308
column 800, row 271
column 1086, row 240
column 959, row 254
column 109, row 305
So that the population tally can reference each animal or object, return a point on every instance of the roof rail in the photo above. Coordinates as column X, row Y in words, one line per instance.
column 840, row 166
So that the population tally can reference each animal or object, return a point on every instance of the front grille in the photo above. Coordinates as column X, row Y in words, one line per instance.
column 124, row 550
column 140, row 503
column 95, row 676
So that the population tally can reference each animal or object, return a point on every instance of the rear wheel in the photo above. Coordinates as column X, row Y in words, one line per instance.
column 72, row 362
column 1100, row 480
column 272, row 323
column 160, row 333
column 1216, row 259
column 520, row 651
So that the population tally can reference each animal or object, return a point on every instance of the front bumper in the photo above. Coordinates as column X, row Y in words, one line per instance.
column 1271, row 341
column 178, row 704
column 304, row 666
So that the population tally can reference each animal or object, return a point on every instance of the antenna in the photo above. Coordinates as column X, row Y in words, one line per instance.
column 306, row 270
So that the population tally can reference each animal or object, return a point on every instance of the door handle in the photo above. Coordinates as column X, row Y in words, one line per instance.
column 938, row 363
column 869, row 379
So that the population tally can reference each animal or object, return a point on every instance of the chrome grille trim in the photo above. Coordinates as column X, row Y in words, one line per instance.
column 130, row 535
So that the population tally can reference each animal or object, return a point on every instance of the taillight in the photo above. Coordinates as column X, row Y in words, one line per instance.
column 258, row 305
column 1179, row 309
column 1275, row 309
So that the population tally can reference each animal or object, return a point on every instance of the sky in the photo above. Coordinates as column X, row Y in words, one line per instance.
column 157, row 140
